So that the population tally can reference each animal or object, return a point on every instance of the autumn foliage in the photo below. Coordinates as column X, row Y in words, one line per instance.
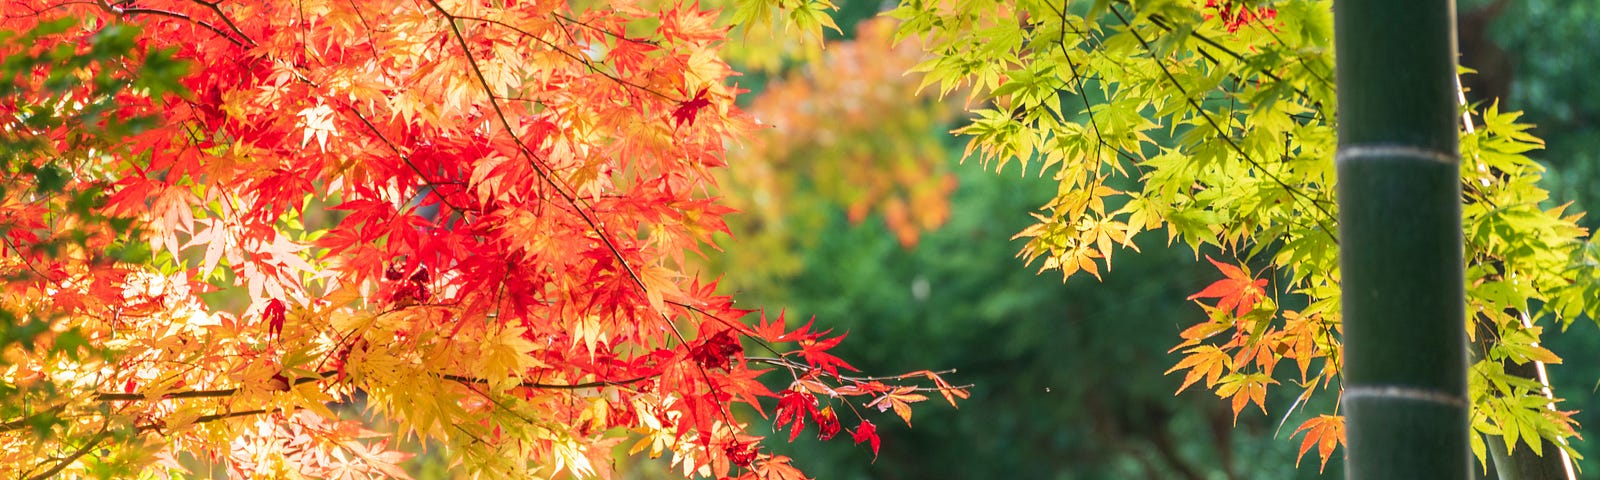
column 469, row 218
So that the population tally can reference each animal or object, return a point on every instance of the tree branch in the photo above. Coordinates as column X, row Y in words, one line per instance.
column 68, row 461
column 169, row 14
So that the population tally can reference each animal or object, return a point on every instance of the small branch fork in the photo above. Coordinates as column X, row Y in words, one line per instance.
column 233, row 35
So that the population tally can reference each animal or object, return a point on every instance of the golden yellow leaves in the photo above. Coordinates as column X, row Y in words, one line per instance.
column 504, row 357
column 1077, row 232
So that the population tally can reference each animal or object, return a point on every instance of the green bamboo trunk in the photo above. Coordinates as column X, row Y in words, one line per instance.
column 1400, row 241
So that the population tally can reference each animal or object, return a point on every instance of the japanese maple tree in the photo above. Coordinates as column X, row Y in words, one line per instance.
column 224, row 219
column 1214, row 121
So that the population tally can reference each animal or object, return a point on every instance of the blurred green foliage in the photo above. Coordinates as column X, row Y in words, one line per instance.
column 1551, row 44
column 1067, row 378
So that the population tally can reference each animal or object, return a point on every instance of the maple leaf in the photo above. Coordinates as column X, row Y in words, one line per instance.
column 770, row 331
column 1237, row 291
column 950, row 392
column 827, row 423
column 1204, row 361
column 1201, row 331
column 813, row 352
column 687, row 110
column 793, row 407
column 776, row 467
column 741, row 454
column 317, row 123
column 1324, row 431
column 274, row 314
column 863, row 388
column 1245, row 389
column 1299, row 341
column 717, row 351
column 866, row 432
column 900, row 400
column 744, row 386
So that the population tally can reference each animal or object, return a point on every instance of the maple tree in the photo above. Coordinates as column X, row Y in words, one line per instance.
column 473, row 219
column 1219, row 115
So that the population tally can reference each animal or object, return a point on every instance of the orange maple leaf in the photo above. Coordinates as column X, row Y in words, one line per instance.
column 1324, row 431
column 1205, row 361
column 775, row 467
column 1245, row 389
column 900, row 400
column 1237, row 291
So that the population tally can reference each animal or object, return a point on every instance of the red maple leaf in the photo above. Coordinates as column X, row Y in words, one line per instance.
column 770, row 331
column 1237, row 291
column 274, row 316
column 812, row 351
column 827, row 423
column 688, row 109
column 716, row 351
column 866, row 432
column 741, row 454
column 794, row 406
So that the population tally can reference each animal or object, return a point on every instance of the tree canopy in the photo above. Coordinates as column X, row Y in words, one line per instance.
column 469, row 218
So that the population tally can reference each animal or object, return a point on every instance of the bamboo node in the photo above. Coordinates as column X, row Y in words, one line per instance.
column 1404, row 393
column 1351, row 153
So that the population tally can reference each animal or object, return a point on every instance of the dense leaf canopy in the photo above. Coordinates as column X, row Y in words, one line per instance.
column 470, row 218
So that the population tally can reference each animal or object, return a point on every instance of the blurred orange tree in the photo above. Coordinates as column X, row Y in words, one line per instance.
column 848, row 129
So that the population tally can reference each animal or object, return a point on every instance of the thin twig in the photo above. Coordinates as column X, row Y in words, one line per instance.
column 88, row 445
column 213, row 6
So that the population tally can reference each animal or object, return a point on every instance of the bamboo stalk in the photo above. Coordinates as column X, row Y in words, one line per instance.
column 1400, row 241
